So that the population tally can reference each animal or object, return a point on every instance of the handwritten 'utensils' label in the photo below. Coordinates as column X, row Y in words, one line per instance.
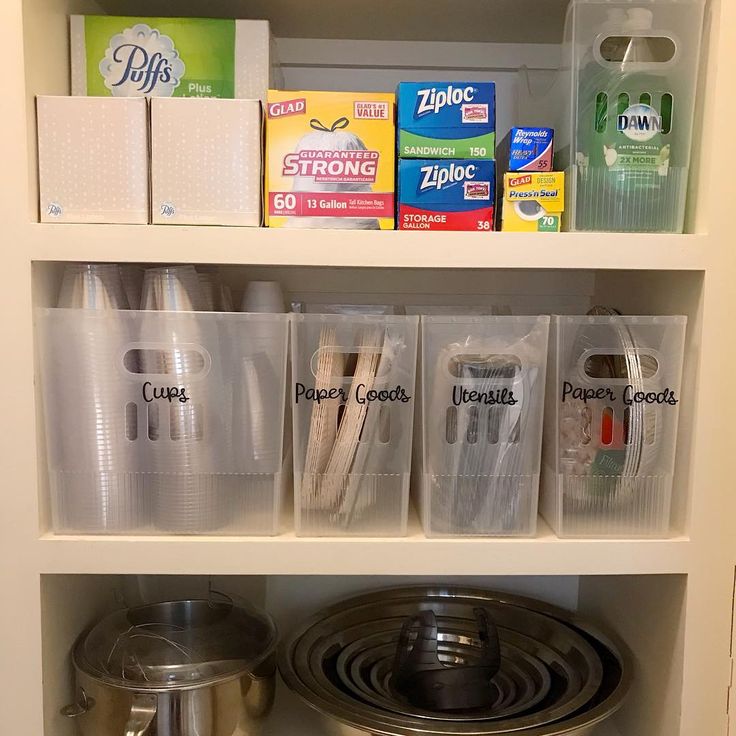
column 363, row 394
column 491, row 397
column 168, row 393
column 628, row 395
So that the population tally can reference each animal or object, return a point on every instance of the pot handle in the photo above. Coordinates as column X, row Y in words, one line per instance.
column 83, row 705
column 142, row 713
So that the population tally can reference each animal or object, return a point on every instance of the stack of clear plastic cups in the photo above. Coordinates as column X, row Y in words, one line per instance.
column 185, row 494
column 132, row 276
column 216, row 294
column 209, row 290
column 109, row 496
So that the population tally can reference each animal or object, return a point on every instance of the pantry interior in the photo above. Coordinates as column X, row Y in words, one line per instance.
column 670, row 599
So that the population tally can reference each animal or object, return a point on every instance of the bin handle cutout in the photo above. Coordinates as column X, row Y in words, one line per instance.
column 348, row 361
column 610, row 50
column 611, row 365
column 484, row 367
column 160, row 359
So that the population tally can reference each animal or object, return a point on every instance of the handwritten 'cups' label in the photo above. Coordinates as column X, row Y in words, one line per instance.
column 167, row 393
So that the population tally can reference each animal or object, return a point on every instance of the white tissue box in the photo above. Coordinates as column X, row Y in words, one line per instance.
column 206, row 161
column 93, row 159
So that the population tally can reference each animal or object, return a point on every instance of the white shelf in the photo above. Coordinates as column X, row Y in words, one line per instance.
column 288, row 554
column 358, row 248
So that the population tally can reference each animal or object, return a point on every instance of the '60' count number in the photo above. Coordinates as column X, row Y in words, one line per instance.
column 284, row 201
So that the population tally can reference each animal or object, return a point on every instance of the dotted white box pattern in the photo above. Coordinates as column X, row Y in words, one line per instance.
column 256, row 62
column 93, row 160
column 206, row 161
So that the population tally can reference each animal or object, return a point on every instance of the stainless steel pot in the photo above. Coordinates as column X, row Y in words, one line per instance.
column 182, row 668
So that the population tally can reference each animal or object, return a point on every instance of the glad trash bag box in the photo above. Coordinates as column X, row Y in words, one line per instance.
column 330, row 160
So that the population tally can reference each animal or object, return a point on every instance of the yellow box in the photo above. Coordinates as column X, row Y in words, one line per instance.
column 330, row 160
column 533, row 202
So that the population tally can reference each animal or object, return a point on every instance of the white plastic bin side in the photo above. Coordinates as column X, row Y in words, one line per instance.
column 483, row 382
column 612, row 406
column 162, row 422
column 353, row 382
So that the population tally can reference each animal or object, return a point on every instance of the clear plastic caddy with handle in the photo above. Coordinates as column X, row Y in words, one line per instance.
column 483, row 382
column 611, row 417
column 353, row 404
column 164, row 422
column 630, row 70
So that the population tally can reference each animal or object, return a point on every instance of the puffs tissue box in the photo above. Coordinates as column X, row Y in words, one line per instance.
column 93, row 160
column 206, row 161
column 172, row 57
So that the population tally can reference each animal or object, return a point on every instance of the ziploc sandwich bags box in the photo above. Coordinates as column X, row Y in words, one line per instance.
column 330, row 160
column 446, row 195
column 447, row 120
column 172, row 57
column 533, row 202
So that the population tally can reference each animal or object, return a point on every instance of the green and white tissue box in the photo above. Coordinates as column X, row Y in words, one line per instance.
column 172, row 57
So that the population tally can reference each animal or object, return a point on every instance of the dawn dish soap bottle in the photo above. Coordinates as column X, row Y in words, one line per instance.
column 635, row 86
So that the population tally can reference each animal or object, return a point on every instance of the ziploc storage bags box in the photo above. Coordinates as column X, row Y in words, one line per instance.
column 447, row 120
column 533, row 202
column 171, row 57
column 446, row 195
column 330, row 160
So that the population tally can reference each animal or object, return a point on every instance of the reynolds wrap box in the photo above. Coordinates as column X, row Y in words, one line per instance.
column 533, row 202
column 447, row 120
column 446, row 195
column 530, row 149
column 171, row 57
column 330, row 160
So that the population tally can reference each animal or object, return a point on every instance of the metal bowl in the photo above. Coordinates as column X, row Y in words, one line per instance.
column 318, row 660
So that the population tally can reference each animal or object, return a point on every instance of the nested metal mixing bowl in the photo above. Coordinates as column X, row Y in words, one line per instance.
column 559, row 674
column 180, row 668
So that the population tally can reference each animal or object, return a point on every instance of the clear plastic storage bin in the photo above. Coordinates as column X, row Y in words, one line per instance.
column 631, row 73
column 163, row 422
column 353, row 405
column 483, row 382
column 613, row 397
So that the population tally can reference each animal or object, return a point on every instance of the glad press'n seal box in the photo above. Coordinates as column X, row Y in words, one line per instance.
column 330, row 160
column 533, row 202
column 446, row 195
column 447, row 120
